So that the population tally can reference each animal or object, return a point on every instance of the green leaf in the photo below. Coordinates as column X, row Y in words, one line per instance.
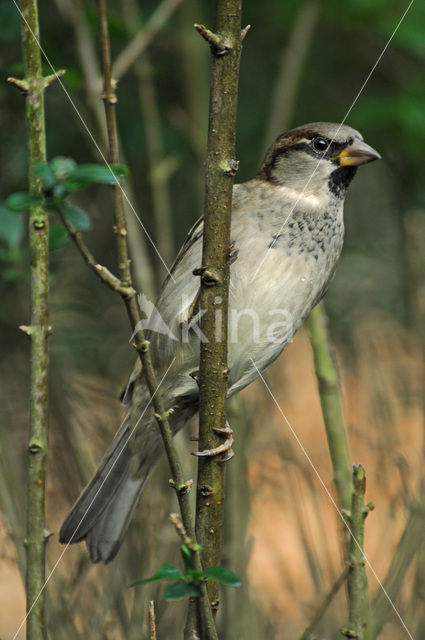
column 180, row 591
column 22, row 201
column 75, row 216
column 62, row 167
column 58, row 236
column 196, row 577
column 11, row 227
column 223, row 575
column 87, row 174
column 166, row 572
column 46, row 175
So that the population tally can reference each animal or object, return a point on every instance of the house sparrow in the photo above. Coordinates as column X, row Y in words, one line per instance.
column 286, row 237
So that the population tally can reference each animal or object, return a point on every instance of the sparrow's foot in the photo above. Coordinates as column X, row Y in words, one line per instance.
column 225, row 448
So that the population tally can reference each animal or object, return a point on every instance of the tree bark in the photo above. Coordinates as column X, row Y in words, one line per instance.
column 221, row 167
column 38, row 331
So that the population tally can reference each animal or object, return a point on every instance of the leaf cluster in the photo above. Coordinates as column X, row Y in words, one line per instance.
column 59, row 178
column 189, row 584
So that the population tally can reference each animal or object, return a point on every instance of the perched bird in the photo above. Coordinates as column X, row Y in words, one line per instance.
column 286, row 237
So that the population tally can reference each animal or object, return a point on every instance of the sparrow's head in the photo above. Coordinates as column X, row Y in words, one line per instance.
column 316, row 156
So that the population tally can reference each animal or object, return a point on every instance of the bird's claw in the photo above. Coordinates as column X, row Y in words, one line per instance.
column 225, row 448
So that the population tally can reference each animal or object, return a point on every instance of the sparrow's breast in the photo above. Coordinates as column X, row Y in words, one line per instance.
column 286, row 256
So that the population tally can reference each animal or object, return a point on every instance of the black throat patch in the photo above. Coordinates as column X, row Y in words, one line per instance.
column 340, row 179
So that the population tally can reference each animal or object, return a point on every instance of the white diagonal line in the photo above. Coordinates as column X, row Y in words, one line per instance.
column 93, row 140
column 328, row 493
column 360, row 91
column 89, row 507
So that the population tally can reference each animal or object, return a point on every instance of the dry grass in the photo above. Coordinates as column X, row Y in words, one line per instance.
column 292, row 534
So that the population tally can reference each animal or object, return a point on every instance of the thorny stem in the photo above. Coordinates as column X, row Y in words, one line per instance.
column 357, row 581
column 38, row 331
column 220, row 170
column 140, row 343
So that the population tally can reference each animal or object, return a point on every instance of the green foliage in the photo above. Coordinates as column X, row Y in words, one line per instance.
column 11, row 227
column 75, row 216
column 62, row 176
column 22, row 201
column 87, row 174
column 59, row 178
column 58, row 236
column 189, row 584
column 166, row 572
column 181, row 591
column 223, row 576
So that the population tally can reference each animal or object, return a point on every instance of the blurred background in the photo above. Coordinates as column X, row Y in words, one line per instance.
column 302, row 61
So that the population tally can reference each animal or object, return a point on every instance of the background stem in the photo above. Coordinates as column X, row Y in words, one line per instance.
column 327, row 378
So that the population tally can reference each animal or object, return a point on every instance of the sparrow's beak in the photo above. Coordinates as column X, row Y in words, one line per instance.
column 356, row 153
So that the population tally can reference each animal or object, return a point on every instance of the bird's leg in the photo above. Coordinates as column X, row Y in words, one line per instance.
column 226, row 447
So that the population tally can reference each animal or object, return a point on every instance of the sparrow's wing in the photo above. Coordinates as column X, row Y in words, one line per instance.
column 176, row 288
column 194, row 234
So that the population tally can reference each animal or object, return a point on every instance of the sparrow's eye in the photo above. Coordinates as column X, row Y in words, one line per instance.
column 320, row 144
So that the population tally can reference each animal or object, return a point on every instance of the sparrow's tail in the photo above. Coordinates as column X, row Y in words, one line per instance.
column 103, row 512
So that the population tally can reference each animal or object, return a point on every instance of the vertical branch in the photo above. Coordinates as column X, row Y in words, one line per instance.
column 110, row 100
column 220, row 170
column 357, row 581
column 291, row 67
column 140, row 343
column 160, row 167
column 327, row 377
column 38, row 331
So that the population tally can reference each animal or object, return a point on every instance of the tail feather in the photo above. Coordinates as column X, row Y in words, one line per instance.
column 105, row 538
column 102, row 513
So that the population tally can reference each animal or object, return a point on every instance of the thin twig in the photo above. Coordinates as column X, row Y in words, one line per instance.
column 36, row 537
column 160, row 166
column 103, row 272
column 292, row 64
column 176, row 521
column 138, row 44
column 321, row 610
column 152, row 621
column 140, row 343
column 406, row 550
